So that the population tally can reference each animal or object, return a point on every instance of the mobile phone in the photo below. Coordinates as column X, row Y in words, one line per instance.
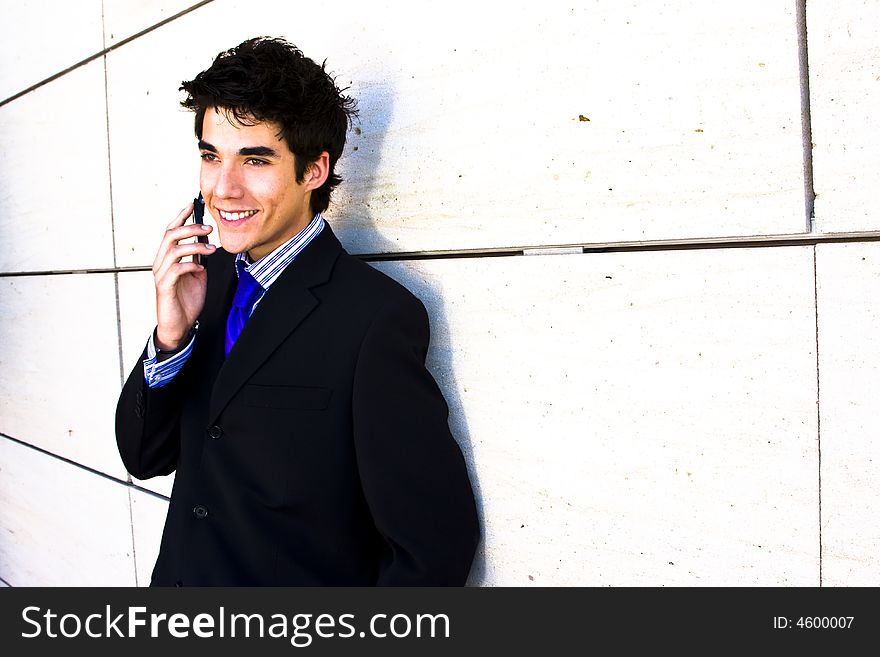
column 198, row 218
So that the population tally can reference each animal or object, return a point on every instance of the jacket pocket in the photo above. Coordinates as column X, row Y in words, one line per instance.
column 300, row 397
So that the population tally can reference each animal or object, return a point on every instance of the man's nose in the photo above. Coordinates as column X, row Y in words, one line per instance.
column 228, row 182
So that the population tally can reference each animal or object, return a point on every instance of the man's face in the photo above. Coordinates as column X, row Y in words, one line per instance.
column 249, row 184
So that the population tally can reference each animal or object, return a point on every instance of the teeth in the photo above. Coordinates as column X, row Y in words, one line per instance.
column 235, row 216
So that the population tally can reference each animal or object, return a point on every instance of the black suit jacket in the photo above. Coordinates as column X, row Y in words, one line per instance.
column 319, row 452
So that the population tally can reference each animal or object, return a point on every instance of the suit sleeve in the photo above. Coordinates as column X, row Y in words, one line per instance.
column 148, row 425
column 412, row 470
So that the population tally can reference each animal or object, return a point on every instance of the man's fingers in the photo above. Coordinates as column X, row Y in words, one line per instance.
column 182, row 268
column 174, row 234
column 191, row 248
column 164, row 245
column 173, row 255
column 166, row 283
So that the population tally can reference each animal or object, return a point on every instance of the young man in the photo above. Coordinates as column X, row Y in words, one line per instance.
column 285, row 380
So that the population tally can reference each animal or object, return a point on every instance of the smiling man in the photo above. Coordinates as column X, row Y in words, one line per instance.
column 255, row 196
column 285, row 381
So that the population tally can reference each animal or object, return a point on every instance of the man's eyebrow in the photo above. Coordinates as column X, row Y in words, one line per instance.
column 265, row 151
column 257, row 150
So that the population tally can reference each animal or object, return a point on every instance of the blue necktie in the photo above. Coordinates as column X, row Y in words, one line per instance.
column 246, row 296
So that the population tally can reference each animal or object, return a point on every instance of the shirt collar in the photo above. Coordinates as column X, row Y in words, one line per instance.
column 267, row 269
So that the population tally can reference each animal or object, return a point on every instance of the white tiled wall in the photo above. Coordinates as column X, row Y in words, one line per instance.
column 849, row 321
column 844, row 100
column 147, row 520
column 59, row 377
column 61, row 525
column 638, row 418
column 54, row 177
column 634, row 419
column 137, row 311
column 125, row 18
column 40, row 38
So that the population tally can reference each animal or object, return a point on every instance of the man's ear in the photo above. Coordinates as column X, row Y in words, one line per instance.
column 317, row 172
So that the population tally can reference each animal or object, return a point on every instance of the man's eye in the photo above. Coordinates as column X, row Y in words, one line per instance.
column 256, row 162
column 208, row 157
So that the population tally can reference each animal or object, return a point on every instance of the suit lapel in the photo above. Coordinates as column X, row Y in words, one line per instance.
column 284, row 306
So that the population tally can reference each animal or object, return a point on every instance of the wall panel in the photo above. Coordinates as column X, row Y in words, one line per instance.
column 137, row 313
column 844, row 98
column 633, row 419
column 471, row 133
column 59, row 366
column 54, row 176
column 125, row 18
column 39, row 39
column 849, row 367
column 61, row 525
column 148, row 520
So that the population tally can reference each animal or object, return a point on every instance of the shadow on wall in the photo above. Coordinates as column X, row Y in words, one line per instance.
column 359, row 165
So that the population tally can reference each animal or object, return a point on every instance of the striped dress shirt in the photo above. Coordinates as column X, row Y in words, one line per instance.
column 266, row 271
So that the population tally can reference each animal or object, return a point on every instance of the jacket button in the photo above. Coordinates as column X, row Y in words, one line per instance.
column 200, row 511
column 215, row 431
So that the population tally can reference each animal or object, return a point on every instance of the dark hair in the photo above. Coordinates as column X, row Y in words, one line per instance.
column 265, row 79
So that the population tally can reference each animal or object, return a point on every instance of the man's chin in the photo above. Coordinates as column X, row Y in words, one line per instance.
column 232, row 245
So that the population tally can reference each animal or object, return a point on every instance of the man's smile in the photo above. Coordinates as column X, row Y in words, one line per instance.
column 236, row 216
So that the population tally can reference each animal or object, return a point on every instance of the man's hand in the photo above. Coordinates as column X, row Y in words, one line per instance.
column 180, row 286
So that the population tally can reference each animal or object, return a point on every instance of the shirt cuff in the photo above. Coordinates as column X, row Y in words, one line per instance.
column 160, row 373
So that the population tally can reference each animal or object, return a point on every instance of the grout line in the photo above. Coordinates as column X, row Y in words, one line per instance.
column 103, row 52
column 806, row 119
column 112, row 214
column 133, row 546
column 103, row 31
column 119, row 330
column 686, row 244
column 51, row 78
column 818, row 402
column 87, row 468
column 109, row 167
column 745, row 242
column 116, row 275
